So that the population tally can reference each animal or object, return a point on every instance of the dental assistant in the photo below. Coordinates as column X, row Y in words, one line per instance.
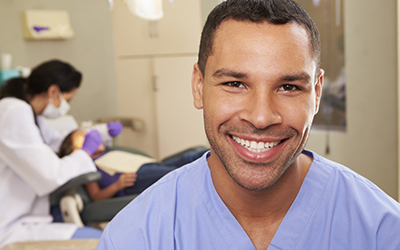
column 29, row 167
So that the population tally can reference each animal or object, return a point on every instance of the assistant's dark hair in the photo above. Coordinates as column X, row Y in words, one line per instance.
column 67, row 146
column 15, row 87
column 41, row 78
column 257, row 11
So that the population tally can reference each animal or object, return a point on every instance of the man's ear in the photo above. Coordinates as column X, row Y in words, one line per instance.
column 197, row 87
column 318, row 90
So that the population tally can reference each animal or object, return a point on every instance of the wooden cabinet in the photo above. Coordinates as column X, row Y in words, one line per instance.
column 154, row 62
column 158, row 91
column 136, row 98
column 179, row 123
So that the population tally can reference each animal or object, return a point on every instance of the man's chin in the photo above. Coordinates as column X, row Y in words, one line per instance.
column 253, row 185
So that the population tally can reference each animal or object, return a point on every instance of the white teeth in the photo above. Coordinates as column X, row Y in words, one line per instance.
column 254, row 146
column 260, row 146
column 269, row 145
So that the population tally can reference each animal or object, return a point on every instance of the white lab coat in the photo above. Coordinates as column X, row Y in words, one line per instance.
column 29, row 172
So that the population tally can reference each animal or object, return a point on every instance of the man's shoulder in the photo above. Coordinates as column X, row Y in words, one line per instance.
column 356, row 211
column 343, row 173
column 348, row 184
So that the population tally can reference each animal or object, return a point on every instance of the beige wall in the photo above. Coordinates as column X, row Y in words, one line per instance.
column 370, row 144
column 207, row 6
column 91, row 50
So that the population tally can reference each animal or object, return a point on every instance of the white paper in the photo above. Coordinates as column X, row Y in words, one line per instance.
column 121, row 162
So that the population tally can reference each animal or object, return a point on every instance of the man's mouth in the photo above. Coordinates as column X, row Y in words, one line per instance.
column 255, row 146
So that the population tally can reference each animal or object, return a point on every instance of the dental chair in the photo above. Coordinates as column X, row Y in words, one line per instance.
column 77, row 207
column 73, row 201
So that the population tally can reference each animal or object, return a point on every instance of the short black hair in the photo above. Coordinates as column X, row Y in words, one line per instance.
column 257, row 11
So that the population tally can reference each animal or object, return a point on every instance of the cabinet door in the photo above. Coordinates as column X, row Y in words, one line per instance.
column 179, row 123
column 178, row 32
column 135, row 98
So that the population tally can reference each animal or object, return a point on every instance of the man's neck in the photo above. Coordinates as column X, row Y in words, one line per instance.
column 261, row 212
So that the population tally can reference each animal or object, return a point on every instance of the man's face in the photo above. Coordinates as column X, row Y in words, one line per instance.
column 259, row 96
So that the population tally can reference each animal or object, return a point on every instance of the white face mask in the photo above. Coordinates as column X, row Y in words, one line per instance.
column 52, row 112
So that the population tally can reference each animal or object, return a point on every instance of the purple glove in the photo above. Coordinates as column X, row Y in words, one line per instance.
column 92, row 141
column 114, row 128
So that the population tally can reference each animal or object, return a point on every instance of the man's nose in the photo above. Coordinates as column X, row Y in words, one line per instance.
column 261, row 109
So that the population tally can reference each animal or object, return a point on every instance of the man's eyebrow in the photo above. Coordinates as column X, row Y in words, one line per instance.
column 303, row 76
column 227, row 72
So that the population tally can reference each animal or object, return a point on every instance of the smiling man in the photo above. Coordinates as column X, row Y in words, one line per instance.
column 259, row 84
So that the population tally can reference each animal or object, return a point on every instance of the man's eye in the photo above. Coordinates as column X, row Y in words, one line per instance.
column 288, row 87
column 234, row 84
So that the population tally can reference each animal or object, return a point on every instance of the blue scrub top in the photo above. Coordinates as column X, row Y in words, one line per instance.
column 334, row 209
